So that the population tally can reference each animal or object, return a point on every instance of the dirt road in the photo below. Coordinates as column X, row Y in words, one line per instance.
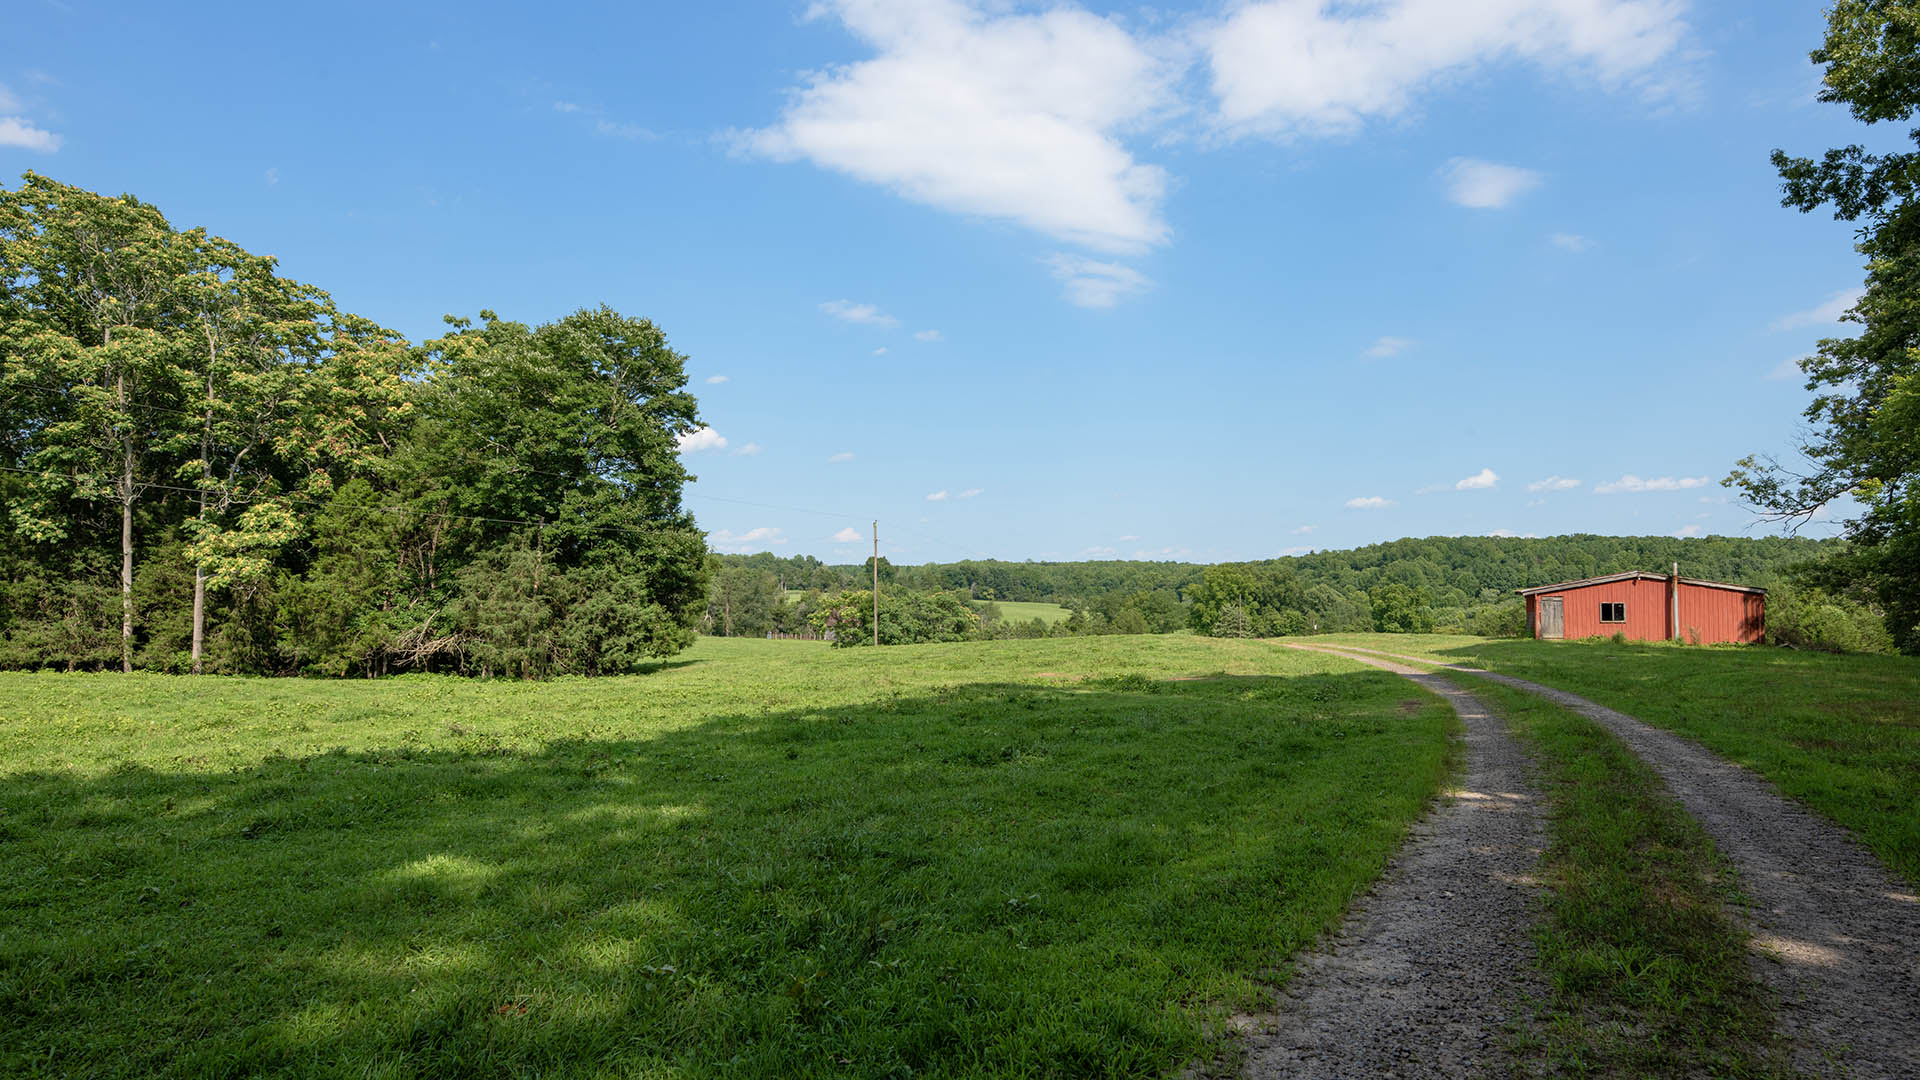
column 1430, row 965
column 1836, row 934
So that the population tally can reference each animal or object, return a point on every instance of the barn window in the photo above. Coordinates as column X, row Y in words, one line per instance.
column 1613, row 613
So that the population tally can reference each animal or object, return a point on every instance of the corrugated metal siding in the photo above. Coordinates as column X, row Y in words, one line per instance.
column 1707, row 615
column 1714, row 615
column 1646, row 609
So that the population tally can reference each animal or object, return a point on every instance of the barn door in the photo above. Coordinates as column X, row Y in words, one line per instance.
column 1553, row 619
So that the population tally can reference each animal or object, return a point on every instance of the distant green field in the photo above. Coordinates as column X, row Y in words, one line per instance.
column 1010, row 610
column 1839, row 733
column 767, row 858
column 1024, row 611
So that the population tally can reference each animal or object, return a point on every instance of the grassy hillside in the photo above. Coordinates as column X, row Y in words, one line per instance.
column 762, row 859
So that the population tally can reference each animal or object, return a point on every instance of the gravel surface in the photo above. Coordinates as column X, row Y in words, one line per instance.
column 1835, row 933
column 1431, row 964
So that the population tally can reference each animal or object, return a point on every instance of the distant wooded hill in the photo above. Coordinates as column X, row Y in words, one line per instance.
column 1455, row 571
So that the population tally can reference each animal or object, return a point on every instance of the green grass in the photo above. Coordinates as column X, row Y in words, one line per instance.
column 1017, row 858
column 1839, row 733
column 1024, row 611
column 1647, row 971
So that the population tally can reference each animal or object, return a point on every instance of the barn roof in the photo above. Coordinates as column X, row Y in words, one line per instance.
column 1630, row 576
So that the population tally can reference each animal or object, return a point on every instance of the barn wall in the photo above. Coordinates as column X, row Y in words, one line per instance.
column 1646, row 609
column 1717, row 615
column 1533, row 616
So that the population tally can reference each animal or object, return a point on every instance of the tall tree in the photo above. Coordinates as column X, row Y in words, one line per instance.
column 1864, row 439
column 256, row 336
column 94, row 288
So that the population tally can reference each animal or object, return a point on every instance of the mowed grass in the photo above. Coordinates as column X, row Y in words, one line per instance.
column 1021, row 858
column 1839, row 733
column 1027, row 611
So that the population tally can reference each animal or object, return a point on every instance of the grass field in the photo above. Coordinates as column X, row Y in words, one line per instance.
column 1019, row 858
column 1839, row 733
column 1023, row 611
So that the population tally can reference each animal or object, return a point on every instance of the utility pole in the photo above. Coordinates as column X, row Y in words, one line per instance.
column 876, row 584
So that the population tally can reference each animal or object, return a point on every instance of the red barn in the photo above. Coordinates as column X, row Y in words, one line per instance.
column 1648, row 607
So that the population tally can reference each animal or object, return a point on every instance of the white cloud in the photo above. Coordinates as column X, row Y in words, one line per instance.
column 601, row 124
column 881, row 351
column 1164, row 553
column 762, row 537
column 1510, row 534
column 1369, row 502
column 1690, row 530
column 1554, row 483
column 1004, row 115
column 1785, row 369
column 926, row 335
column 938, row 496
column 1824, row 314
column 15, row 131
column 621, row 130
column 864, row 314
column 1304, row 67
column 1388, row 346
column 969, row 493
column 9, row 103
column 1092, row 283
column 1287, row 552
column 1099, row 553
column 750, row 449
column 716, row 380
column 1631, row 484
column 1573, row 242
column 705, row 438
column 272, row 177
column 848, row 535
column 1128, row 539
column 1479, row 481
column 841, row 458
column 1303, row 530
column 1486, row 185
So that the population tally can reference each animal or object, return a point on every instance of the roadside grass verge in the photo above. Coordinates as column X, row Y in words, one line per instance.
column 1839, row 733
column 766, row 858
column 1648, row 972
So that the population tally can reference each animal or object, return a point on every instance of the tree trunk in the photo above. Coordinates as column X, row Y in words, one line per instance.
column 199, row 612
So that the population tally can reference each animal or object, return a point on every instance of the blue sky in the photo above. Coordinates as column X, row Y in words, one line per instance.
column 1214, row 282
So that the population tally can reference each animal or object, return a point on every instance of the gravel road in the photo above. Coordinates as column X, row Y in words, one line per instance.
column 1835, row 933
column 1431, row 964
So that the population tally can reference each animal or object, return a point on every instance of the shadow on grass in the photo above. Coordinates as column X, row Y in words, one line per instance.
column 1001, row 879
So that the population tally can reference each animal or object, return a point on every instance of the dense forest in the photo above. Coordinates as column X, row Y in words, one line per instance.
column 1447, row 584
column 205, row 466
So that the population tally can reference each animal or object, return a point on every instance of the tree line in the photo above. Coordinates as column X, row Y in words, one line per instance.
column 1435, row 584
column 206, row 466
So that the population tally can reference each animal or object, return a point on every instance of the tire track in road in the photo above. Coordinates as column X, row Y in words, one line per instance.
column 1836, row 934
column 1431, row 964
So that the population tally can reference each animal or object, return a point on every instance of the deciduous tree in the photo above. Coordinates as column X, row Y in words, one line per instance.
column 1864, row 439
